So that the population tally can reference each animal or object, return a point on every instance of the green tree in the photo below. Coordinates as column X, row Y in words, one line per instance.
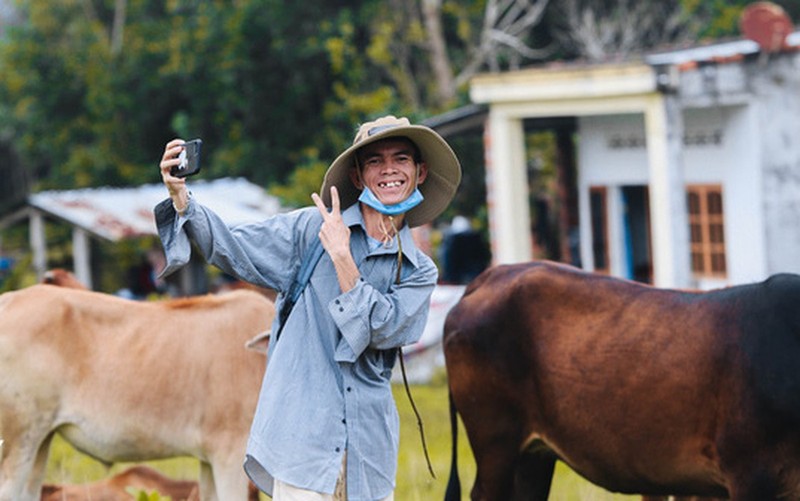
column 92, row 99
column 91, row 90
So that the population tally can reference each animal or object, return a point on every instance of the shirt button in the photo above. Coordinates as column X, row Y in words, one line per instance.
column 344, row 421
column 337, row 449
column 349, row 388
column 341, row 309
column 337, row 302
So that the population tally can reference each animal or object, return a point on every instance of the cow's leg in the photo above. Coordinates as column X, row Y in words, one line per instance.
column 208, row 489
column 534, row 476
column 494, row 477
column 221, row 481
column 497, row 454
column 22, row 469
column 229, row 479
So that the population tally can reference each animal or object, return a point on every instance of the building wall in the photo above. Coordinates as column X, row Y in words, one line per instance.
column 764, row 128
column 777, row 86
column 716, row 151
column 611, row 153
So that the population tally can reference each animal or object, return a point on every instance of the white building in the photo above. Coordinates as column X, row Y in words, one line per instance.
column 715, row 126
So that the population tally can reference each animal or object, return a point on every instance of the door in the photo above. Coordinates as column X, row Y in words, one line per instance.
column 636, row 232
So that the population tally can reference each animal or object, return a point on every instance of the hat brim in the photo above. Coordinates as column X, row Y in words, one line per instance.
column 438, row 189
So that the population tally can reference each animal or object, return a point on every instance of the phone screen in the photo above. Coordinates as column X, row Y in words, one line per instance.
column 190, row 159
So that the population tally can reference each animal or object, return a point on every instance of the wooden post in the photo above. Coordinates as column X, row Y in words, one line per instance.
column 82, row 256
column 37, row 239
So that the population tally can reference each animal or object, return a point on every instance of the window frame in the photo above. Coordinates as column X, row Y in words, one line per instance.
column 706, row 215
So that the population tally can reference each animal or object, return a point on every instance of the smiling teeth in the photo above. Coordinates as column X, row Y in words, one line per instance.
column 392, row 184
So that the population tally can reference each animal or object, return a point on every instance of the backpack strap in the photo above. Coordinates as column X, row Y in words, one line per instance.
column 310, row 261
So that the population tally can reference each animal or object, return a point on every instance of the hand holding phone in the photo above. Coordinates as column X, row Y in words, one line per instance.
column 190, row 159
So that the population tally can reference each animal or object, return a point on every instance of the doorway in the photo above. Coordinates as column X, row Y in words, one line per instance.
column 636, row 232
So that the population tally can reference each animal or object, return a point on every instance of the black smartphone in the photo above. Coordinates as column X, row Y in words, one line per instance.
column 190, row 159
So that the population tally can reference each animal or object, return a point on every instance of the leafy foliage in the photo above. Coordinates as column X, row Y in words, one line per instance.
column 252, row 81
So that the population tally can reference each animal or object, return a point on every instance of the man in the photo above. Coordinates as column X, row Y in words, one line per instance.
column 326, row 425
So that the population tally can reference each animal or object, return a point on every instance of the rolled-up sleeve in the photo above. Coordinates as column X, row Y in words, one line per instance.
column 262, row 253
column 368, row 318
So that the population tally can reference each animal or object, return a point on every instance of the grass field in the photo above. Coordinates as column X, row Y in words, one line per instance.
column 414, row 483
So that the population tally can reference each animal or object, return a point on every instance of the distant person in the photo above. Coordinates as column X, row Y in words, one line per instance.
column 143, row 277
column 326, row 426
column 465, row 253
column 6, row 266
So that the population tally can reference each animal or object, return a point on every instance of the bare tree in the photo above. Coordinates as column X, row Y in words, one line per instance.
column 502, row 36
column 118, row 28
column 601, row 30
column 116, row 31
column 440, row 62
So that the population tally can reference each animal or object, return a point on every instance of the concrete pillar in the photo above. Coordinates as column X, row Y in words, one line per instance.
column 507, row 190
column 669, row 221
column 37, row 239
column 82, row 256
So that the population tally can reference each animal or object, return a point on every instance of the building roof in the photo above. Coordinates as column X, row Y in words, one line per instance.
column 469, row 118
column 118, row 213
column 722, row 51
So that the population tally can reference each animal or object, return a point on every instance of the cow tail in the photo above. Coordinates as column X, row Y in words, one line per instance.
column 453, row 492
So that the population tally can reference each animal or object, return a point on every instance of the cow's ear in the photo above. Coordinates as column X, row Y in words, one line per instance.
column 259, row 343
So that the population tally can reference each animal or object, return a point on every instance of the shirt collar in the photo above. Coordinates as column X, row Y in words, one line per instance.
column 352, row 216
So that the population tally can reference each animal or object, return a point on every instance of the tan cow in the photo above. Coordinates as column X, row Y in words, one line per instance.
column 123, row 380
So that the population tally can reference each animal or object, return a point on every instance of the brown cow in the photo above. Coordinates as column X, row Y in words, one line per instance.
column 120, row 486
column 124, row 380
column 116, row 488
column 638, row 389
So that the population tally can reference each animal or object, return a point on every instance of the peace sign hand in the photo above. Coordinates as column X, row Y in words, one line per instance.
column 334, row 234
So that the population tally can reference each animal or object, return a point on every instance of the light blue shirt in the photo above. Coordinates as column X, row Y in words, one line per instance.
column 327, row 385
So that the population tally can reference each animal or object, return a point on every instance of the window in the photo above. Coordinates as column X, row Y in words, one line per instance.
column 597, row 202
column 706, row 230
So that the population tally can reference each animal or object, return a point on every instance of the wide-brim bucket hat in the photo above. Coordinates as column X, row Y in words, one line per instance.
column 444, row 169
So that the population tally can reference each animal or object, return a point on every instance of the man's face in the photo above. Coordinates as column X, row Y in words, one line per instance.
column 388, row 169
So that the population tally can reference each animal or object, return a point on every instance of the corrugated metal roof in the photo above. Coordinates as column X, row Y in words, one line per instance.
column 715, row 52
column 118, row 213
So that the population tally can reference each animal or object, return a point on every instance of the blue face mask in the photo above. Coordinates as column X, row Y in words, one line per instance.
column 406, row 205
